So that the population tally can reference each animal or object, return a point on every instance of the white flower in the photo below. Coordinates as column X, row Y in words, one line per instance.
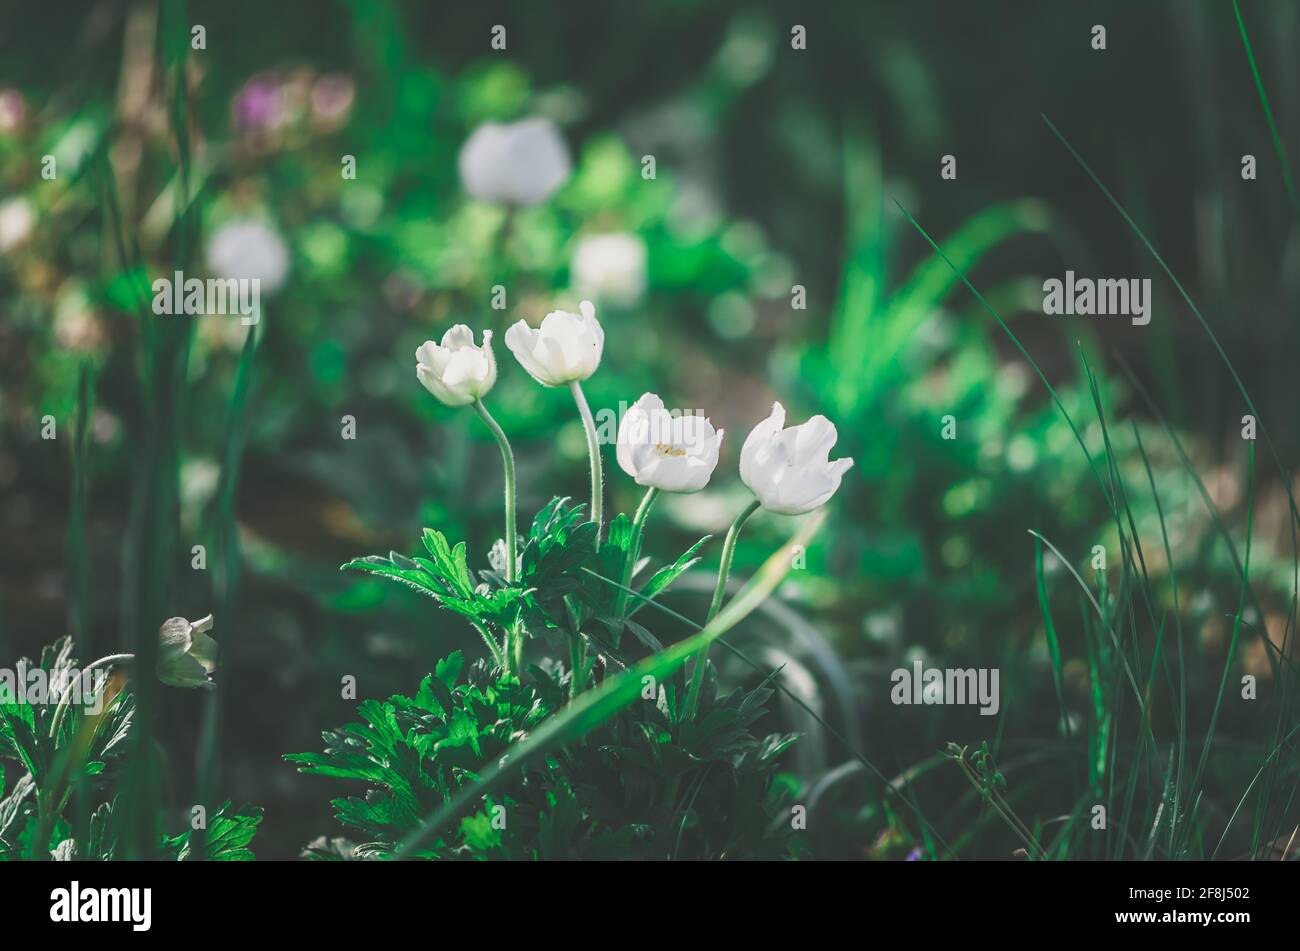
column 187, row 657
column 248, row 249
column 16, row 220
column 790, row 469
column 610, row 267
column 662, row 451
column 520, row 163
column 565, row 348
column 457, row 372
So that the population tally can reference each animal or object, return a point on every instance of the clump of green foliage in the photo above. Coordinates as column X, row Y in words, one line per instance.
column 646, row 785
column 63, row 801
column 655, row 779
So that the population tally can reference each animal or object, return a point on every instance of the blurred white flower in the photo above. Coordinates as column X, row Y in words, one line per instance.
column 662, row 451
column 187, row 657
column 564, row 349
column 520, row 163
column 200, row 479
column 790, row 469
column 610, row 267
column 457, row 372
column 248, row 248
column 332, row 96
column 16, row 220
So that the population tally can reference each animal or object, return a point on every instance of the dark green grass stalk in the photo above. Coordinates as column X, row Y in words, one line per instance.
column 1278, row 145
column 80, row 614
column 1049, row 632
column 153, row 544
column 225, row 585
column 1103, row 654
column 1272, row 757
column 78, row 561
column 1178, row 621
column 1132, row 580
column 1130, row 545
column 1106, row 623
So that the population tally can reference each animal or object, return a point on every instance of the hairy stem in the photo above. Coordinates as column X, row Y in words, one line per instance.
column 593, row 451
column 728, row 550
column 633, row 550
column 719, row 592
column 508, row 462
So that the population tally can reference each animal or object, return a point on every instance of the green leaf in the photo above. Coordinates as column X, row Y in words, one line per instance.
column 227, row 840
column 670, row 573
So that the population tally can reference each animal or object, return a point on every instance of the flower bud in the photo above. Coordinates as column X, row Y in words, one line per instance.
column 457, row 372
column 187, row 657
column 564, row 349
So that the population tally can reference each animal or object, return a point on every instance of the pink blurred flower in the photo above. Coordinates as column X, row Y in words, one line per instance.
column 13, row 109
column 259, row 105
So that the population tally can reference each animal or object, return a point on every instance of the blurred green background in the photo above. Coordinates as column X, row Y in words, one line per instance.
column 775, row 167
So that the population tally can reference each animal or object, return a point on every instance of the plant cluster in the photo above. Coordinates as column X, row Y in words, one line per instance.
column 70, row 799
column 670, row 767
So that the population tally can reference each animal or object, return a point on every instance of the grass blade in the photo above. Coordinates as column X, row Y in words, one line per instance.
column 1278, row 145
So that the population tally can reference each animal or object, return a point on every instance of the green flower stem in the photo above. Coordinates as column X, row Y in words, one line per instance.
column 719, row 591
column 577, row 647
column 634, row 550
column 508, row 461
column 728, row 550
column 577, row 663
column 517, row 634
column 497, row 651
column 593, row 450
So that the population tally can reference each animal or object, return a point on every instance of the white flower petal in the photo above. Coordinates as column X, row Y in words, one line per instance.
column 457, row 337
column 757, row 441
